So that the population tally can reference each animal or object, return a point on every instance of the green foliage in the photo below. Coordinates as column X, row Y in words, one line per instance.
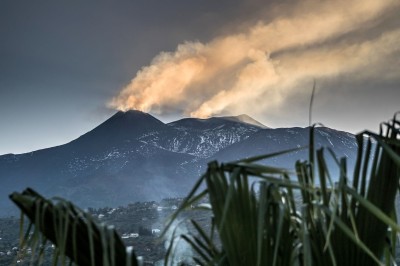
column 261, row 215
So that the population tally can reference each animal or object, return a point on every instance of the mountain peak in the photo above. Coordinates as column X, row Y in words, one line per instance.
column 216, row 121
column 131, row 113
column 123, row 126
column 243, row 118
column 132, row 116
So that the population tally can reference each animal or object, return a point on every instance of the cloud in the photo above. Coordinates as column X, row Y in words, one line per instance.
column 271, row 59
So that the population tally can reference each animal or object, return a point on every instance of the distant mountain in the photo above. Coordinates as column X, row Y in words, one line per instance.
column 135, row 157
column 274, row 140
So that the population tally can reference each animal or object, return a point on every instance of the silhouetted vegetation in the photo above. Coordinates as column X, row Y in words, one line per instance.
column 261, row 215
column 128, row 222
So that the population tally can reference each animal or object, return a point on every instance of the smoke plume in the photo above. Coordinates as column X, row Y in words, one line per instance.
column 259, row 67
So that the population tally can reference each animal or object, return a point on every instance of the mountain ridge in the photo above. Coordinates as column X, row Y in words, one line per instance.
column 133, row 156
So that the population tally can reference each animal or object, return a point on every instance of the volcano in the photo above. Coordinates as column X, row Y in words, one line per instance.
column 133, row 156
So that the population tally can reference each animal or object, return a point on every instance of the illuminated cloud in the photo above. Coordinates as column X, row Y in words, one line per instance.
column 271, row 59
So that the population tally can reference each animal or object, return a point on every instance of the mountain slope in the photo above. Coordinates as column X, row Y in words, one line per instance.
column 134, row 157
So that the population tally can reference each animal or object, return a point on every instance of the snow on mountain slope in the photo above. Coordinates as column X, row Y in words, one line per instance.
column 205, row 137
column 133, row 156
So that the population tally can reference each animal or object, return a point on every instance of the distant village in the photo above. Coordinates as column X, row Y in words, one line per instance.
column 139, row 225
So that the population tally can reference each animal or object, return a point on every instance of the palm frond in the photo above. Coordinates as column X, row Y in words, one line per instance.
column 75, row 234
column 255, row 208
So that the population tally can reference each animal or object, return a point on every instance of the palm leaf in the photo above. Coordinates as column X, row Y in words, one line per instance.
column 73, row 231
column 262, row 226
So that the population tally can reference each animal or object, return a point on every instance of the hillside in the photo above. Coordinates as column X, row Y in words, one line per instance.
column 135, row 157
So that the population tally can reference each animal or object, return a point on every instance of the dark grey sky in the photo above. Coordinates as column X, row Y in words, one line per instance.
column 61, row 62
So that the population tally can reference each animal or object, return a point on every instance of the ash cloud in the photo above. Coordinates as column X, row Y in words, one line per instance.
column 271, row 59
